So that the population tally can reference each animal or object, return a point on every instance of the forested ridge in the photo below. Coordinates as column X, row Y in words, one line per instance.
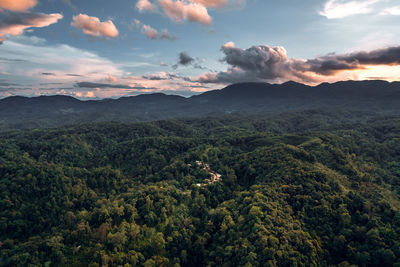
column 304, row 189
column 365, row 97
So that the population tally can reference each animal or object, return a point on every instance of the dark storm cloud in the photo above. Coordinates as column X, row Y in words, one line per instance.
column 185, row 59
column 332, row 63
column 386, row 56
column 266, row 63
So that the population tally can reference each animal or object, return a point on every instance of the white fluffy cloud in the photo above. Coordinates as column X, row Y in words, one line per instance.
column 336, row 9
column 394, row 11
column 17, row 5
column 211, row 3
column 94, row 27
column 187, row 10
column 145, row 5
column 184, row 11
column 228, row 45
column 152, row 33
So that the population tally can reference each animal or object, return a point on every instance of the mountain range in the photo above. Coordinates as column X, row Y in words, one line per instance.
column 244, row 98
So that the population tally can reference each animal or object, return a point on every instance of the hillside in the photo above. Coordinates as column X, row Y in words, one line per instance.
column 378, row 97
column 298, row 189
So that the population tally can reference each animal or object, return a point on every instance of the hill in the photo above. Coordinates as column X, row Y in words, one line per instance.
column 378, row 97
column 299, row 189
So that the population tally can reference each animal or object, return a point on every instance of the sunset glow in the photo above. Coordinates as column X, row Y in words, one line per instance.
column 55, row 47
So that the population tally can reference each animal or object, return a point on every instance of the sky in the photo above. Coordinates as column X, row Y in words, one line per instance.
column 94, row 49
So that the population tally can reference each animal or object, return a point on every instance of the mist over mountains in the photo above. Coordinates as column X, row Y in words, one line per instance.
column 377, row 97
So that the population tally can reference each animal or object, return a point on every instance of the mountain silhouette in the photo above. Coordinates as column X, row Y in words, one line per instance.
column 242, row 98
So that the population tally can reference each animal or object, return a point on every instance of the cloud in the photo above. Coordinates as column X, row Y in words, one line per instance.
column 40, row 63
column 185, row 59
column 268, row 60
column 228, row 45
column 17, row 5
column 266, row 63
column 108, row 85
column 11, row 60
column 94, row 27
column 112, row 79
column 145, row 5
column 211, row 3
column 152, row 33
column 166, row 35
column 188, row 10
column 15, row 23
column 330, row 64
column 40, row 68
column 89, row 94
column 165, row 82
column 157, row 82
column 161, row 76
column 336, row 9
column 5, row 83
column 394, row 11
column 137, row 22
column 180, row 11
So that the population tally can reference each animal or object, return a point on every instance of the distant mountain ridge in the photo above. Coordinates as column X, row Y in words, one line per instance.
column 248, row 98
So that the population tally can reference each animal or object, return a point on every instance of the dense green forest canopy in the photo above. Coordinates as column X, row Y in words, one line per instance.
column 299, row 189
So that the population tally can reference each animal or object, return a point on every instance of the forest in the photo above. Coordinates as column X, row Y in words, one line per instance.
column 298, row 189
